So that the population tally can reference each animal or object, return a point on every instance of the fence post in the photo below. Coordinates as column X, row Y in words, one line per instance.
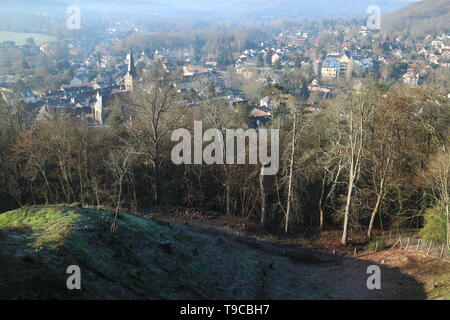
column 396, row 243
column 376, row 247
column 429, row 248
column 407, row 244
column 354, row 253
column 418, row 245
column 442, row 252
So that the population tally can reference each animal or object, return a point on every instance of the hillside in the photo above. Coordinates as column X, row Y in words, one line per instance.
column 148, row 259
column 419, row 19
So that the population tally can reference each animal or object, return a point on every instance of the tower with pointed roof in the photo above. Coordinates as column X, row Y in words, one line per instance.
column 98, row 108
column 131, row 72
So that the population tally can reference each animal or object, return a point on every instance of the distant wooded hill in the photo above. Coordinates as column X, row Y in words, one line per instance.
column 419, row 19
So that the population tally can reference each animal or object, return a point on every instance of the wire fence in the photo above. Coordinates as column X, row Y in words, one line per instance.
column 407, row 239
column 422, row 246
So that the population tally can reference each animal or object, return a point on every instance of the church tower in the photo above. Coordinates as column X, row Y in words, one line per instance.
column 131, row 72
column 98, row 108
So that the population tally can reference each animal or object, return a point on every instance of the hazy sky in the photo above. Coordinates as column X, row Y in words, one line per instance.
column 228, row 9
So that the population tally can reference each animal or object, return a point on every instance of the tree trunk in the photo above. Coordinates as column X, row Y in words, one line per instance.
column 447, row 214
column 156, row 181
column 263, row 201
column 321, row 211
column 347, row 207
column 114, row 224
column 263, row 182
column 228, row 198
column 291, row 170
column 374, row 213
column 380, row 193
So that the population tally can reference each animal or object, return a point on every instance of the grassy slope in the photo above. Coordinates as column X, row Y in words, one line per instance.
column 39, row 243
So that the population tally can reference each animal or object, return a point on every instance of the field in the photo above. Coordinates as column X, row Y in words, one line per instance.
column 20, row 38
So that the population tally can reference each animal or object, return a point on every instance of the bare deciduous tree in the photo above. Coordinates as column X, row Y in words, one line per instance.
column 439, row 176
column 119, row 162
column 156, row 114
column 356, row 113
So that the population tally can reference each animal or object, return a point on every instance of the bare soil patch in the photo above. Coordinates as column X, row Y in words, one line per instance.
column 327, row 267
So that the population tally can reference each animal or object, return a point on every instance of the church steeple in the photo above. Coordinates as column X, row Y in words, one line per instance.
column 131, row 68
column 131, row 72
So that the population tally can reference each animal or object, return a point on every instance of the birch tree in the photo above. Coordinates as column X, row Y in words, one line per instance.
column 291, row 170
column 329, row 161
column 356, row 113
column 385, row 122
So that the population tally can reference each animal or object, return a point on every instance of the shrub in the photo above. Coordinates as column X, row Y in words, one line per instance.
column 435, row 228
column 382, row 244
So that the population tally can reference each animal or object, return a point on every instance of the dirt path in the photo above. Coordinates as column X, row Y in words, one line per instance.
column 336, row 277
column 433, row 274
column 302, row 273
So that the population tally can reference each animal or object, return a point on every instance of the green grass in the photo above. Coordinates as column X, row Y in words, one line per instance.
column 20, row 38
column 39, row 243
column 438, row 286
column 150, row 259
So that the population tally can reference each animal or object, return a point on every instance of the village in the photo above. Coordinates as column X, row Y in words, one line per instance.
column 300, row 63
column 266, row 150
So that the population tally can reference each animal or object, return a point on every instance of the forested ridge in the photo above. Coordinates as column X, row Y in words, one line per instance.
column 419, row 19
